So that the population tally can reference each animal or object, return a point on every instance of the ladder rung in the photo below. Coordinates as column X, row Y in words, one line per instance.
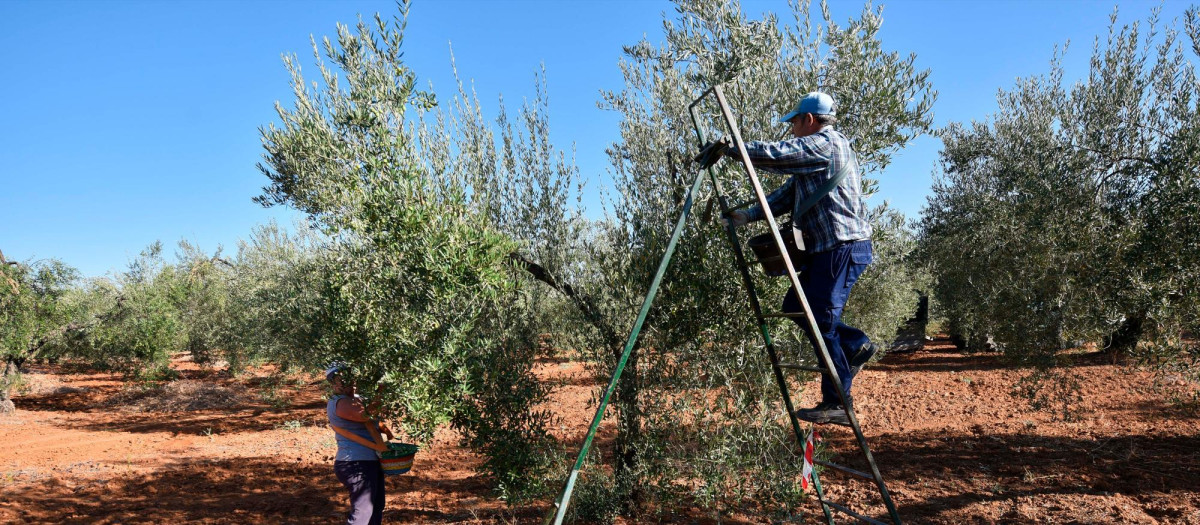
column 794, row 366
column 845, row 510
column 785, row 314
column 847, row 470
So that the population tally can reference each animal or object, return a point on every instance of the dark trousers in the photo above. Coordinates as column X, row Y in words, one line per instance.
column 827, row 278
column 364, row 480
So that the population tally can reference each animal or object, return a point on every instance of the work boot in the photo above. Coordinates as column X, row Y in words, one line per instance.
column 862, row 356
column 827, row 412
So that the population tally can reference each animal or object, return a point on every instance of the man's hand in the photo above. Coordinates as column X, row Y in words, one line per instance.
column 735, row 218
column 712, row 152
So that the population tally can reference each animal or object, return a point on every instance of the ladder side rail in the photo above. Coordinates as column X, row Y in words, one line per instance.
column 748, row 281
column 739, row 257
column 815, row 332
column 774, row 229
column 559, row 511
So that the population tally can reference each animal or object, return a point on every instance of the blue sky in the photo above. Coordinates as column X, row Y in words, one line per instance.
column 127, row 122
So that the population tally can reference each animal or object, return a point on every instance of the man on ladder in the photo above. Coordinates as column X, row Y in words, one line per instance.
column 824, row 171
column 836, row 231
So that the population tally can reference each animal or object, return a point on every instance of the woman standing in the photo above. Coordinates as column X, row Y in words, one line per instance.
column 358, row 438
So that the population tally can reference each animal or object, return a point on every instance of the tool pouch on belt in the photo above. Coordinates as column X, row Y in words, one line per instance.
column 767, row 252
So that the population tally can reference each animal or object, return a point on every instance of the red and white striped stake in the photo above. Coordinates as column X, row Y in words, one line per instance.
column 806, row 472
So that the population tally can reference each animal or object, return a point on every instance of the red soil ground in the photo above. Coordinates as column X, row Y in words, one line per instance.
column 953, row 443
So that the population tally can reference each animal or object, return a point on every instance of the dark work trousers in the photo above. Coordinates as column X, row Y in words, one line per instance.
column 364, row 480
column 827, row 278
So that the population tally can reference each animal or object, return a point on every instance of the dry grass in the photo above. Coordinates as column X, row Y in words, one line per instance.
column 42, row 384
column 184, row 395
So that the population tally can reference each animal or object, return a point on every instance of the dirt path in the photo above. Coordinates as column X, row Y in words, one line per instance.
column 956, row 447
column 952, row 442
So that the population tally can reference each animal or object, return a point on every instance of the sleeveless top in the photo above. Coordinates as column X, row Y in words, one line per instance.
column 348, row 450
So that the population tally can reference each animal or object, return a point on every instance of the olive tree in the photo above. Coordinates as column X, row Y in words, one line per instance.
column 33, row 315
column 133, row 323
column 1068, row 215
column 699, row 417
column 435, row 233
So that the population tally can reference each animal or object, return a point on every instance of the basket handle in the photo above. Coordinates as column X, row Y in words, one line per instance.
column 379, row 445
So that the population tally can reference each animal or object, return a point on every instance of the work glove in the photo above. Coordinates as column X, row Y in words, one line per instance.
column 735, row 218
column 712, row 152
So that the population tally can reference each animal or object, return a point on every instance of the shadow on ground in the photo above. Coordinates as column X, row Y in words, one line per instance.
column 253, row 490
column 945, row 358
column 957, row 470
column 249, row 412
column 248, row 490
column 246, row 418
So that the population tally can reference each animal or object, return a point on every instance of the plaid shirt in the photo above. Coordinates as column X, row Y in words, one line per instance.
column 811, row 161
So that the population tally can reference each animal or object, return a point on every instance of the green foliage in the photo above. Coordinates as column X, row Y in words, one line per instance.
column 441, row 252
column 417, row 215
column 134, row 321
column 275, row 301
column 138, row 325
column 34, row 313
column 291, row 424
column 885, row 294
column 206, row 307
column 1177, row 373
column 597, row 499
column 700, row 417
column 410, row 268
column 499, row 418
column 32, row 305
column 530, row 192
column 1069, row 215
column 269, row 392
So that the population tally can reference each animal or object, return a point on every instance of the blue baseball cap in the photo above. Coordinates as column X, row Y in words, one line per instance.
column 816, row 103
column 334, row 367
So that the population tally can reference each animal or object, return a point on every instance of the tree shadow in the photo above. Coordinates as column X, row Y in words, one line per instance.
column 251, row 490
column 962, row 469
column 948, row 359
column 245, row 490
column 1151, row 409
column 930, row 361
column 245, row 416
column 581, row 379
column 216, row 421
column 250, row 411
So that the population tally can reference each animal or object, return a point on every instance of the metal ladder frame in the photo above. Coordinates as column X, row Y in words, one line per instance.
column 812, row 332
column 557, row 512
